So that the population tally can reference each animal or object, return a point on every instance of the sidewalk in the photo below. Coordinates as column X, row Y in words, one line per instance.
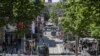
column 16, row 55
column 85, row 53
column 35, row 55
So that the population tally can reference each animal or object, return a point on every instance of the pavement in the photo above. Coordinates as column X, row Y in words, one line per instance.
column 34, row 55
column 85, row 53
column 56, row 47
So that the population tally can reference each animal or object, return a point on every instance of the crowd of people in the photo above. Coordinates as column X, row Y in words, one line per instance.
column 88, row 45
column 11, row 45
column 14, row 44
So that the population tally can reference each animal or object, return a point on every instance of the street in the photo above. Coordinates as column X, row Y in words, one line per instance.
column 36, row 55
column 56, row 47
column 55, row 44
column 49, row 28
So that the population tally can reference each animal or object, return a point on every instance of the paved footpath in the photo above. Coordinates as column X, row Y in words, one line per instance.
column 55, row 45
column 35, row 55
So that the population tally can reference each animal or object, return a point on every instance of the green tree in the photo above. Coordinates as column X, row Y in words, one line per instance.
column 45, row 12
column 20, row 10
column 56, row 10
column 82, row 17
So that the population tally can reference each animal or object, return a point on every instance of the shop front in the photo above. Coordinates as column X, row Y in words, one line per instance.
column 12, row 42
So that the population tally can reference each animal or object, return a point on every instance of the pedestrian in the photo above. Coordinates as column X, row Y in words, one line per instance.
column 74, row 49
column 46, row 51
column 3, row 46
column 65, row 45
column 80, row 47
column 34, row 46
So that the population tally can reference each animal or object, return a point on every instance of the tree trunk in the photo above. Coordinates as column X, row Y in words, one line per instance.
column 2, row 34
column 76, row 45
column 97, row 48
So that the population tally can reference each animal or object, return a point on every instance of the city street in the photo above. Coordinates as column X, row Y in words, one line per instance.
column 36, row 55
column 56, row 47
column 55, row 44
column 49, row 28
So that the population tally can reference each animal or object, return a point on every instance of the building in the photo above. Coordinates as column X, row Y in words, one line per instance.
column 62, row 0
column 53, row 1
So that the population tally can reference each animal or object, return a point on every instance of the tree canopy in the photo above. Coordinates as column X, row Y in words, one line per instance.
column 13, row 11
column 82, row 17
column 56, row 10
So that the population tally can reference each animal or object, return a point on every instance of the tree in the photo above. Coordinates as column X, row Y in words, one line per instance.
column 56, row 10
column 45, row 12
column 82, row 17
column 20, row 10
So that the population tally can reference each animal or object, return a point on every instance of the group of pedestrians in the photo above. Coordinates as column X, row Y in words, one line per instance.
column 30, row 47
column 11, row 47
column 11, row 43
column 43, row 50
column 83, row 45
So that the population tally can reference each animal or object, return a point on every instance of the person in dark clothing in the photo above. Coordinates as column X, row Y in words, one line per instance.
column 19, row 43
column 4, row 46
column 84, row 44
column 15, row 46
column 43, row 51
column 36, row 29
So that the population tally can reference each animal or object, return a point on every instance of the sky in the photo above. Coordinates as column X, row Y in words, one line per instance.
column 52, row 0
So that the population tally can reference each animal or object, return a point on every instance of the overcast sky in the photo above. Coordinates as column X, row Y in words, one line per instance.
column 52, row 0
